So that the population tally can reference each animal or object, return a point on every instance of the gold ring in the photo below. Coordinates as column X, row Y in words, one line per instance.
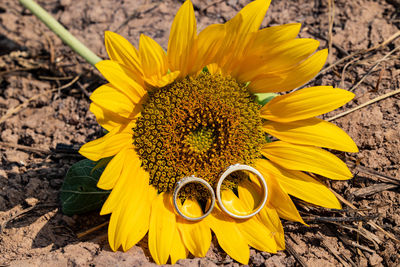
column 241, row 167
column 193, row 179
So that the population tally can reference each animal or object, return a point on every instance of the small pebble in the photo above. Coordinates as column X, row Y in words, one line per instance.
column 31, row 201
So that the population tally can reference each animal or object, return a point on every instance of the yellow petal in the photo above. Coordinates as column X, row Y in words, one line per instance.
column 178, row 249
column 275, row 59
column 292, row 78
column 162, row 228
column 130, row 171
column 137, row 232
column 228, row 235
column 121, row 50
column 214, row 69
column 113, row 170
column 305, row 103
column 116, row 101
column 302, row 186
column 122, row 78
column 273, row 36
column 233, row 204
column 277, row 198
column 313, row 131
column 260, row 45
column 155, row 63
column 226, row 57
column 195, row 235
column 129, row 221
column 182, row 40
column 250, row 193
column 270, row 218
column 153, row 58
column 106, row 118
column 256, row 234
column 209, row 42
column 106, row 146
column 306, row 158
column 162, row 81
column 259, row 236
column 137, row 222
column 253, row 14
column 238, row 33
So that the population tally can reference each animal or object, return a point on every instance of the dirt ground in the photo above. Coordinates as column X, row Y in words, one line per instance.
column 44, row 89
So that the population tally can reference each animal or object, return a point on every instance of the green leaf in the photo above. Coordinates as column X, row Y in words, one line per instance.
column 264, row 98
column 101, row 163
column 79, row 193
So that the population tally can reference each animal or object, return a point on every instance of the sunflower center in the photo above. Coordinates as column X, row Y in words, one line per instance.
column 200, row 140
column 197, row 126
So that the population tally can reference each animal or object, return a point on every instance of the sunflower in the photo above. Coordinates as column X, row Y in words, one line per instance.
column 194, row 111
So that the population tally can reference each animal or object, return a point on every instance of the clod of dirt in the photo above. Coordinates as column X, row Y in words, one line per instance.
column 31, row 201
column 8, row 136
column 17, row 156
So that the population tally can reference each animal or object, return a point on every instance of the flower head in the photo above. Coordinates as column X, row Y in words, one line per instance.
column 193, row 111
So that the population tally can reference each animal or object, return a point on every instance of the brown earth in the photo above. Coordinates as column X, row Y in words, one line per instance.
column 34, row 62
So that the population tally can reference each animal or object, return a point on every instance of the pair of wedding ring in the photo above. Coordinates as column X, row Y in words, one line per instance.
column 231, row 169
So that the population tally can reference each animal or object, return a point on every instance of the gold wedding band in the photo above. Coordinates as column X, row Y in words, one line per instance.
column 183, row 182
column 241, row 167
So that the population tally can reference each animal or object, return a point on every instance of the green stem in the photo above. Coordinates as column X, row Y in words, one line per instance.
column 57, row 28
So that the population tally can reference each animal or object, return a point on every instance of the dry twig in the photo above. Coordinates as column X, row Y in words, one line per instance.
column 25, row 148
column 91, row 230
column 331, row 14
column 334, row 44
column 55, row 78
column 341, row 84
column 335, row 253
column 354, row 244
column 379, row 98
column 83, row 89
column 378, row 82
column 339, row 219
column 373, row 189
column 293, row 252
column 380, row 176
column 16, row 109
column 143, row 9
column 361, row 231
column 372, row 224
column 377, row 63
column 51, row 47
column 17, row 69
column 384, row 43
